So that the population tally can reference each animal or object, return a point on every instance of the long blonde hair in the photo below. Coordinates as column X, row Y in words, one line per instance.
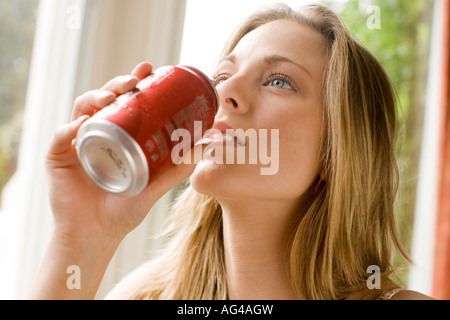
column 348, row 224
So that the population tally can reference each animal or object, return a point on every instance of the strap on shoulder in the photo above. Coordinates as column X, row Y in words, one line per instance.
column 388, row 294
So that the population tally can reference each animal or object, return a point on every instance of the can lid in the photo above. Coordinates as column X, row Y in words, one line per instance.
column 112, row 158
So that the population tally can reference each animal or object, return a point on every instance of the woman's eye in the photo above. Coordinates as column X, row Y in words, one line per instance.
column 280, row 83
column 220, row 79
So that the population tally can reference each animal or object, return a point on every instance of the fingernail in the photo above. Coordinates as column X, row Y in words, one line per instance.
column 105, row 94
column 128, row 78
column 80, row 120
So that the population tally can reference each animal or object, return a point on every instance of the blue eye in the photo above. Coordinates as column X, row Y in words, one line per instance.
column 279, row 80
column 280, row 83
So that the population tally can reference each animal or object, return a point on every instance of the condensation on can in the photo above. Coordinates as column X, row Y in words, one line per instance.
column 128, row 144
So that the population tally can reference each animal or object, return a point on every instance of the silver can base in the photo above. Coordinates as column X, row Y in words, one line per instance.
column 112, row 158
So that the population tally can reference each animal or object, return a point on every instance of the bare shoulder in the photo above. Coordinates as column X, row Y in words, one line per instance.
column 410, row 295
column 129, row 285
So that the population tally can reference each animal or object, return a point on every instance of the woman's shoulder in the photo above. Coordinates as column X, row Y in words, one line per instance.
column 129, row 285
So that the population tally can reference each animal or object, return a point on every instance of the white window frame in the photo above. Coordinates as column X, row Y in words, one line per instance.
column 424, row 232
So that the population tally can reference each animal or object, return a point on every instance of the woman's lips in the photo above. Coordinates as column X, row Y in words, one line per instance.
column 220, row 139
column 221, row 133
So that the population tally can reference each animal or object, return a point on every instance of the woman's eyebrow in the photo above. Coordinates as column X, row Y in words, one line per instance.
column 277, row 58
column 231, row 58
column 269, row 60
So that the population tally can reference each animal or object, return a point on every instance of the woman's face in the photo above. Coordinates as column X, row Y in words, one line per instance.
column 271, row 81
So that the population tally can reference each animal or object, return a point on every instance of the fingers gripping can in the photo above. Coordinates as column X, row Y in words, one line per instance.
column 128, row 144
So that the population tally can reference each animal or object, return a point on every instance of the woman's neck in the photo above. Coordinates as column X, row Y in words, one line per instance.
column 254, row 240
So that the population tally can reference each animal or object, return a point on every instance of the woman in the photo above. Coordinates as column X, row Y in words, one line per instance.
column 310, row 231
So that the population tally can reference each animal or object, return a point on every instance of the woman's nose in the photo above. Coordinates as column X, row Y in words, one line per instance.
column 234, row 95
column 232, row 102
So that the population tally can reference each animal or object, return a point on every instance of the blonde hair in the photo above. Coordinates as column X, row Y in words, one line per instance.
column 348, row 224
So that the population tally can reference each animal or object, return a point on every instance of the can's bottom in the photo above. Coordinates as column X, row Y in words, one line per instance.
column 112, row 158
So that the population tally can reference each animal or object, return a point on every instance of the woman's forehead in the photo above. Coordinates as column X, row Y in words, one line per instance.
column 282, row 38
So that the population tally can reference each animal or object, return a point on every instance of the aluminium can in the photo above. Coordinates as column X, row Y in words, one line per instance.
column 128, row 144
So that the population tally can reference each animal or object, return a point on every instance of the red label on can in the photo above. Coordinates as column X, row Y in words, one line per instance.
column 172, row 98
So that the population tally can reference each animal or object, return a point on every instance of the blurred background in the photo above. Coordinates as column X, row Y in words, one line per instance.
column 51, row 51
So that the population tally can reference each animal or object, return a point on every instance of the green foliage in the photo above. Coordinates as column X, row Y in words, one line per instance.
column 401, row 44
column 17, row 24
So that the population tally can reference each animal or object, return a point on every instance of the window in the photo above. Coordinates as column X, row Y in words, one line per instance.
column 398, row 33
column 17, row 24
column 208, row 24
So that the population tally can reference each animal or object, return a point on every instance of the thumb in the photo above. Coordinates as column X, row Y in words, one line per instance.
column 64, row 135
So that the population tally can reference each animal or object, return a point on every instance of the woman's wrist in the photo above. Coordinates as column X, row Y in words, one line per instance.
column 73, row 268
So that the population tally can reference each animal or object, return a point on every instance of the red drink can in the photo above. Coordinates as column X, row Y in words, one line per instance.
column 127, row 144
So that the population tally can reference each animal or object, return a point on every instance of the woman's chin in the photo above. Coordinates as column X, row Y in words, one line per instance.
column 208, row 177
column 219, row 180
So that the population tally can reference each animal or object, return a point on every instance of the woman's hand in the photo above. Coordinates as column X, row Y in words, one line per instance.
column 89, row 221
column 80, row 207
